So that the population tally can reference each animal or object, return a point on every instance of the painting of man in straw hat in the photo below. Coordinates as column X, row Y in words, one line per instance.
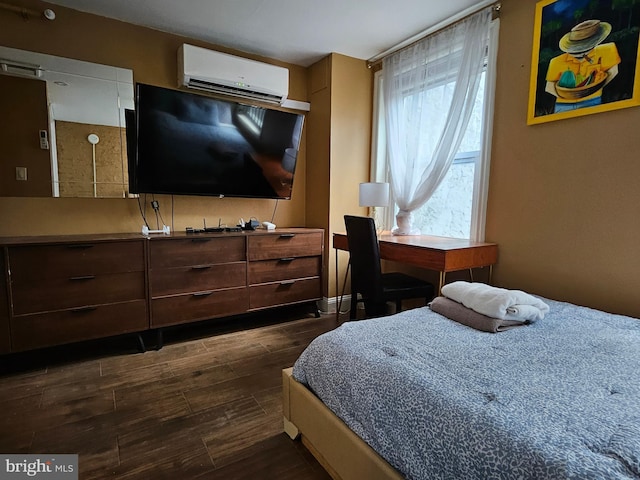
column 585, row 58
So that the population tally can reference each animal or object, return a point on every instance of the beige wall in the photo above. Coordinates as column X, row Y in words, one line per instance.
column 318, row 130
column 563, row 195
column 339, row 141
column 152, row 56
column 351, row 110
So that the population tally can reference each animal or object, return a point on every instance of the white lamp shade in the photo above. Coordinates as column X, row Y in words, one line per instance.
column 374, row 194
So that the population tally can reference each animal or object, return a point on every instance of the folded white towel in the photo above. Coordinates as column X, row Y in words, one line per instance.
column 496, row 302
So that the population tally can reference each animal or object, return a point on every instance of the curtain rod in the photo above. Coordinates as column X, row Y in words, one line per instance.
column 435, row 28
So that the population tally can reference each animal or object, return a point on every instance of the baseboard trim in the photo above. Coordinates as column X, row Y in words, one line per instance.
column 329, row 304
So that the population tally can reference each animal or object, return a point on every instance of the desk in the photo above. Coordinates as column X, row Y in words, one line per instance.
column 441, row 254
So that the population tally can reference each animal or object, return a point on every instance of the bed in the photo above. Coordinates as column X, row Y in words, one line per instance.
column 416, row 395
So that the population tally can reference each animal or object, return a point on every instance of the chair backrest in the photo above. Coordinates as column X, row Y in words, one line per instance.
column 364, row 251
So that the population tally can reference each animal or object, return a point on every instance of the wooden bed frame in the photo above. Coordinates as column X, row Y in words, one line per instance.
column 343, row 454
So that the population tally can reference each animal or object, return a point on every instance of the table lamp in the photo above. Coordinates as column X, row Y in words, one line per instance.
column 372, row 195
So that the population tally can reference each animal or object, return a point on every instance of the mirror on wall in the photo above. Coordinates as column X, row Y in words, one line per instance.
column 64, row 127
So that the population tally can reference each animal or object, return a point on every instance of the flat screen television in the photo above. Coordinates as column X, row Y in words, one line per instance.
column 190, row 144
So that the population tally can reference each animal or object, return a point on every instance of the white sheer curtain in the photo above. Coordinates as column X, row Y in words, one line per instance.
column 429, row 89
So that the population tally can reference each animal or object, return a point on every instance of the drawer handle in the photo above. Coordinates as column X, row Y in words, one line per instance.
column 287, row 235
column 287, row 282
column 85, row 277
column 201, row 267
column 80, row 246
column 203, row 294
column 200, row 240
column 287, row 259
column 83, row 309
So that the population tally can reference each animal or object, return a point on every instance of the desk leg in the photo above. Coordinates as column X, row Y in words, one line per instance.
column 338, row 296
column 340, row 293
column 490, row 273
column 443, row 277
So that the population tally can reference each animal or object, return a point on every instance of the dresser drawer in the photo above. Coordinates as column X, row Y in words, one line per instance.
column 55, row 328
column 168, row 281
column 268, row 247
column 196, row 251
column 76, row 291
column 31, row 262
column 284, row 269
column 185, row 308
column 285, row 292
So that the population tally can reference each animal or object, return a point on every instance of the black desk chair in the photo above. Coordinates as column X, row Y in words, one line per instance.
column 367, row 279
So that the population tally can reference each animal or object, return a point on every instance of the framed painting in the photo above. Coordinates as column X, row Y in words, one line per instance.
column 585, row 58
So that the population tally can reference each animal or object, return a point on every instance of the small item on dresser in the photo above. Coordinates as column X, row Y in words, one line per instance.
column 459, row 313
column 166, row 230
column 217, row 229
column 252, row 224
column 269, row 225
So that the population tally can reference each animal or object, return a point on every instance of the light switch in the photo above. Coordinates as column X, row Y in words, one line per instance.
column 21, row 173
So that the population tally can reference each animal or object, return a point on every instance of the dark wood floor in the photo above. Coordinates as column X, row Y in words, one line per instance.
column 207, row 405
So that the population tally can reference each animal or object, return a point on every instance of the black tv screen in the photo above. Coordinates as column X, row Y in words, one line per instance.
column 189, row 144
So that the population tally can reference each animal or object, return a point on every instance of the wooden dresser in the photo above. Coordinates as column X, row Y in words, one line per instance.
column 197, row 278
column 284, row 268
column 62, row 289
column 76, row 290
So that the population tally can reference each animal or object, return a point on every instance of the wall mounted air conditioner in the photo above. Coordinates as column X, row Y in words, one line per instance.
column 218, row 72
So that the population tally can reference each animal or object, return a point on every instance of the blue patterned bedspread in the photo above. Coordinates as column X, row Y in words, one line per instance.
column 557, row 399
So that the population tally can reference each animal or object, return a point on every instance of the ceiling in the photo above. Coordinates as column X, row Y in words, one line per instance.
column 294, row 31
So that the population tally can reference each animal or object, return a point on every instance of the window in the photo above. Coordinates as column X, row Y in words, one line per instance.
column 457, row 208
column 448, row 212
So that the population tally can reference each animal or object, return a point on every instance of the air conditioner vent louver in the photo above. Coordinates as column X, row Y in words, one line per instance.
column 12, row 67
column 217, row 72
column 235, row 91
